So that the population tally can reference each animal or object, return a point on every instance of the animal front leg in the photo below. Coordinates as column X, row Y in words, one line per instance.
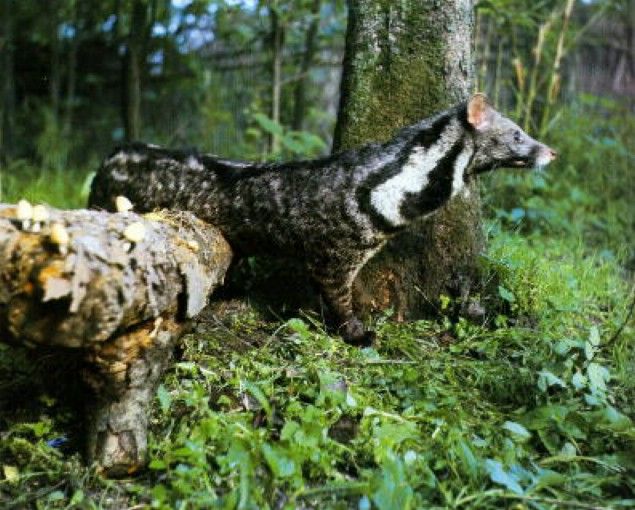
column 337, row 291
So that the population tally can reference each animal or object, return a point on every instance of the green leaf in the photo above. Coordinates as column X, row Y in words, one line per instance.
column 390, row 435
column 239, row 459
column 562, row 347
column 78, row 497
column 56, row 496
column 568, row 450
column 517, row 429
column 615, row 420
column 255, row 391
column 498, row 475
column 547, row 379
column 507, row 295
column 598, row 377
column 591, row 345
column 579, row 381
column 364, row 503
column 268, row 125
column 544, row 416
column 333, row 387
column 281, row 465
column 393, row 489
column 300, row 327
column 165, row 400
column 292, row 144
column 410, row 457
column 311, row 141
column 468, row 459
column 594, row 336
column 548, row 478
column 157, row 464
column 517, row 214
column 289, row 430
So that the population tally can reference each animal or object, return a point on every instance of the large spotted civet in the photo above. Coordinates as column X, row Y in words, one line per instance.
column 333, row 213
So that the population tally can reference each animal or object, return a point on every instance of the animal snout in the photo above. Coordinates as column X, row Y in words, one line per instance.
column 552, row 154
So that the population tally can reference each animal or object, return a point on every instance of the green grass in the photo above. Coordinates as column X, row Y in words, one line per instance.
column 532, row 410
column 58, row 188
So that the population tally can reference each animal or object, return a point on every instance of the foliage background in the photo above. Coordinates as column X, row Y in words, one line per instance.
column 531, row 406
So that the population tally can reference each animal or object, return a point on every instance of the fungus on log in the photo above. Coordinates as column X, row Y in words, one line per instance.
column 120, row 287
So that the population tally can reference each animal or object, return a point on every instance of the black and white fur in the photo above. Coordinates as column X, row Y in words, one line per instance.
column 333, row 213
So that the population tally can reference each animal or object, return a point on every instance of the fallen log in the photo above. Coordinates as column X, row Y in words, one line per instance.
column 120, row 287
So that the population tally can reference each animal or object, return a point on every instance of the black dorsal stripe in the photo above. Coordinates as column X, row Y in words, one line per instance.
column 439, row 188
column 425, row 137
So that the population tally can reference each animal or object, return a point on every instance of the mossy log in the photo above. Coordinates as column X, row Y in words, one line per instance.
column 120, row 287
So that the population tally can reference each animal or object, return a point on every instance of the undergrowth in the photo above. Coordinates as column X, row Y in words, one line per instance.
column 532, row 408
column 59, row 188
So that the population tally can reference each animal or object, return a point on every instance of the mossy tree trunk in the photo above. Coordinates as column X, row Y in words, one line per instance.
column 405, row 61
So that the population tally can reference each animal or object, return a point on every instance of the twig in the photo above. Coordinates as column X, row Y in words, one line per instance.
column 562, row 458
column 388, row 362
column 627, row 319
column 326, row 489
column 273, row 336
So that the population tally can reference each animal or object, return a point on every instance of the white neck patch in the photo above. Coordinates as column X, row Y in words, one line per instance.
column 387, row 198
column 462, row 160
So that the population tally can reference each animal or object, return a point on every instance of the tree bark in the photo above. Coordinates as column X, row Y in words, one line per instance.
column 403, row 62
column 7, row 77
column 122, row 300
column 310, row 45
column 134, row 61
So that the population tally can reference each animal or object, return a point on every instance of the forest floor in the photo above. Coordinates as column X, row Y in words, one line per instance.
column 533, row 407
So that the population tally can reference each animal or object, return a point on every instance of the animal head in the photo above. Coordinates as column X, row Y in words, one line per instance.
column 499, row 142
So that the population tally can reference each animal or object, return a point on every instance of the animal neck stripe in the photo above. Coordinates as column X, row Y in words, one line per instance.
column 415, row 175
column 439, row 188
column 426, row 137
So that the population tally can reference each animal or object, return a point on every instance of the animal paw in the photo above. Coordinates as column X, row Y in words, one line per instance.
column 354, row 333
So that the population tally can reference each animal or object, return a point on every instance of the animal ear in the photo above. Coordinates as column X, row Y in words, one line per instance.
column 479, row 111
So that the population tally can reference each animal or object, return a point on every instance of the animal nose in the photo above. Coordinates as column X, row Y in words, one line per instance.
column 552, row 154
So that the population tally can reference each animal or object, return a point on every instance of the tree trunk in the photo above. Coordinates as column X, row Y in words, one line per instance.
column 299, row 105
column 7, row 83
column 55, row 75
column 134, row 61
column 403, row 62
column 276, row 75
column 120, row 289
column 71, row 83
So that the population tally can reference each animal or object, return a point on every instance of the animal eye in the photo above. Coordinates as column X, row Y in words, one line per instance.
column 517, row 136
